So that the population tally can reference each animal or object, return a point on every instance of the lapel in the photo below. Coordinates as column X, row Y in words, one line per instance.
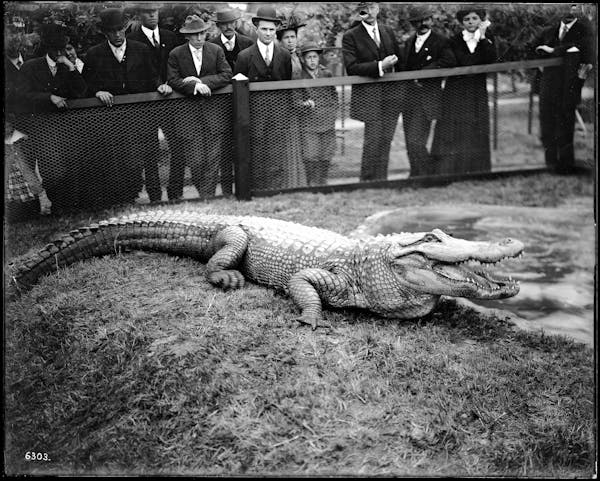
column 368, row 41
column 259, row 61
column 43, row 72
column 427, row 47
column 187, row 61
column 206, row 60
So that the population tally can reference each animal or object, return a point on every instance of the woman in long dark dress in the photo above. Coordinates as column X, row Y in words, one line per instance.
column 462, row 136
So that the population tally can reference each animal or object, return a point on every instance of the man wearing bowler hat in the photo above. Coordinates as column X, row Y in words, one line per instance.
column 46, row 85
column 196, row 69
column 232, row 42
column 266, row 61
column 371, row 50
column 120, row 66
column 425, row 49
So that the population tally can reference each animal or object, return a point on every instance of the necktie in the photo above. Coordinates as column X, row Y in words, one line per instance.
column 198, row 55
column 154, row 41
column 563, row 31
column 53, row 70
column 268, row 56
column 229, row 45
column 376, row 36
column 19, row 63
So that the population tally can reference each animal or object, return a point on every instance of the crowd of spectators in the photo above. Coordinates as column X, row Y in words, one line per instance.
column 293, row 143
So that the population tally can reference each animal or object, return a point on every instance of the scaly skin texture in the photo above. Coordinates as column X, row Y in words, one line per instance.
column 399, row 275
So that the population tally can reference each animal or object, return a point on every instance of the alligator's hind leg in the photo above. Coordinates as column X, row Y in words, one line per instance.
column 310, row 287
column 230, row 246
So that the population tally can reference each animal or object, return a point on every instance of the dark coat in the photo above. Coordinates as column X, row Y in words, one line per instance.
column 361, row 57
column 462, row 135
column 168, row 41
column 322, row 117
column 37, row 84
column 251, row 63
column 102, row 71
column 215, row 71
column 435, row 53
column 241, row 43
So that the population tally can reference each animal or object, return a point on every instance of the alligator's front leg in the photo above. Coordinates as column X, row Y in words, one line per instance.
column 230, row 246
column 308, row 288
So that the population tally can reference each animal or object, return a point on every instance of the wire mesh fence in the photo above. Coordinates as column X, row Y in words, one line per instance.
column 302, row 135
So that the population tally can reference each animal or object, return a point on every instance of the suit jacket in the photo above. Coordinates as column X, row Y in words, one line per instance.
column 37, row 84
column 136, row 74
column 361, row 57
column 241, row 43
column 168, row 41
column 251, row 63
column 560, row 86
column 215, row 72
column 436, row 52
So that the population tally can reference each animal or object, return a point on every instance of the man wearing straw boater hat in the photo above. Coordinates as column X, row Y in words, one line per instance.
column 196, row 69
column 371, row 50
column 230, row 40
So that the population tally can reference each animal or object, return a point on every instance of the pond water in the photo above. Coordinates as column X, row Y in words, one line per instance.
column 556, row 273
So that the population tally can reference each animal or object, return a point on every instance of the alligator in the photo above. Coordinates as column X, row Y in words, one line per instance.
column 399, row 275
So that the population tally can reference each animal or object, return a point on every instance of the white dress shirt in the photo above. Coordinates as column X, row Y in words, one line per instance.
column 79, row 65
column 118, row 52
column 472, row 39
column 196, row 57
column 420, row 40
column 265, row 50
column 149, row 34
column 51, row 65
column 229, row 43
column 564, row 28
column 371, row 31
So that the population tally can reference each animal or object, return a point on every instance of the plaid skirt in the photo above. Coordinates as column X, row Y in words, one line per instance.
column 23, row 185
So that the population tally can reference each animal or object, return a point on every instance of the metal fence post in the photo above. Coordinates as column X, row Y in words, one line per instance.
column 241, row 139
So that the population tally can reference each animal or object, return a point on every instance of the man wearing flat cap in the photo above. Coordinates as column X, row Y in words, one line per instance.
column 196, row 69
column 232, row 42
column 371, row 50
column 120, row 66
column 47, row 83
column 424, row 50
column 266, row 61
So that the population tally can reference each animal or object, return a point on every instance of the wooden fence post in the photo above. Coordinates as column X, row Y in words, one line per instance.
column 241, row 139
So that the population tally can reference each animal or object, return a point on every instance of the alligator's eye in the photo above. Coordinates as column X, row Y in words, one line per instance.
column 431, row 238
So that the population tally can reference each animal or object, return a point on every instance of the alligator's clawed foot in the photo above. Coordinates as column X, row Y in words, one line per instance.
column 313, row 322
column 227, row 279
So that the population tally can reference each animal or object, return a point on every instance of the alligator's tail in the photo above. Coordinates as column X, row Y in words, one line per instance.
column 174, row 233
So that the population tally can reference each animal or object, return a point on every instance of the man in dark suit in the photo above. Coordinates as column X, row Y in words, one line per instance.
column 196, row 69
column 560, row 87
column 232, row 42
column 424, row 50
column 265, row 61
column 46, row 84
column 13, row 61
column 160, row 41
column 371, row 50
column 119, row 66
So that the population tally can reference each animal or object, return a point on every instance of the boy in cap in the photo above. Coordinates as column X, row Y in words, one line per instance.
column 196, row 69
column 318, row 109
column 371, row 50
column 425, row 49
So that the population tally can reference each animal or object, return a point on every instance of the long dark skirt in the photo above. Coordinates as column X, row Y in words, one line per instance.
column 462, row 136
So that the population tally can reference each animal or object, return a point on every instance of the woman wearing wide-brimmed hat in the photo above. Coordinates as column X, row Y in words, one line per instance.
column 462, row 136
column 287, row 34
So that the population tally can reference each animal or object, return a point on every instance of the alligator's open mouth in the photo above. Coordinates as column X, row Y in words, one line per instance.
column 478, row 276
